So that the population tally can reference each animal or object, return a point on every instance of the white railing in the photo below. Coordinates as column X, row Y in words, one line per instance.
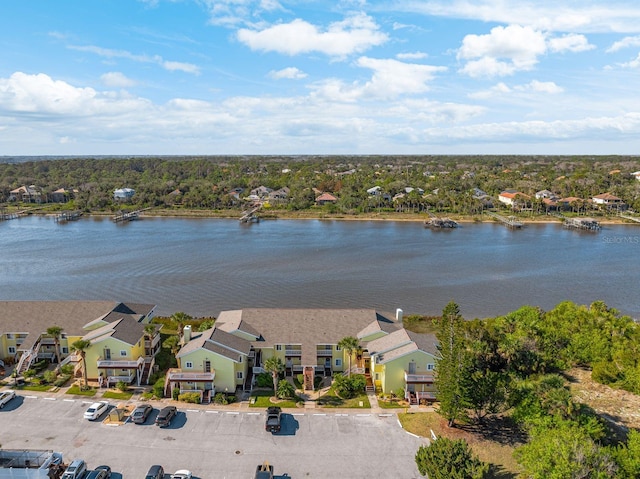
column 115, row 364
column 293, row 352
column 324, row 352
column 418, row 378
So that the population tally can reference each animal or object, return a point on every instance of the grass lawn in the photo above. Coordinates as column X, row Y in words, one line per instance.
column 392, row 404
column 263, row 400
column 331, row 399
column 75, row 389
column 496, row 451
column 35, row 387
column 117, row 395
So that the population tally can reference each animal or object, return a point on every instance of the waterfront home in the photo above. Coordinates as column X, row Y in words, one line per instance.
column 512, row 197
column 260, row 192
column 226, row 357
column 119, row 347
column 62, row 195
column 546, row 194
column 608, row 200
column 325, row 198
column 26, row 194
column 123, row 194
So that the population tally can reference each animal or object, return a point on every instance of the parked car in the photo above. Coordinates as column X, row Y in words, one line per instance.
column 155, row 472
column 6, row 396
column 264, row 471
column 272, row 424
column 96, row 474
column 75, row 470
column 141, row 413
column 106, row 469
column 181, row 474
column 95, row 410
column 165, row 416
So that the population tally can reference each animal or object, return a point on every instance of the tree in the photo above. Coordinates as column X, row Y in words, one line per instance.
column 149, row 331
column 451, row 370
column 56, row 332
column 350, row 345
column 445, row 458
column 80, row 346
column 172, row 343
column 275, row 366
column 180, row 318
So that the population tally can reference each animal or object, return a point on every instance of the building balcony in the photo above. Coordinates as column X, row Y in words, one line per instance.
column 153, row 343
column 293, row 352
column 178, row 375
column 418, row 378
column 324, row 352
column 124, row 364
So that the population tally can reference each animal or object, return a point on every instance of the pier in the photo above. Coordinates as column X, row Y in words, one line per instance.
column 509, row 221
column 586, row 224
column 68, row 216
column 5, row 215
column 250, row 216
column 440, row 223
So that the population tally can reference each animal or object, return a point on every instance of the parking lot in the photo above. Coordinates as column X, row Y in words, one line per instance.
column 216, row 443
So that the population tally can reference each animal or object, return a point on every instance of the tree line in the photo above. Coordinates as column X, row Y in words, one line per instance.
column 450, row 183
column 513, row 366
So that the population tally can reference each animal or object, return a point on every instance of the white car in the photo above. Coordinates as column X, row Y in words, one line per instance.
column 6, row 396
column 96, row 410
column 181, row 474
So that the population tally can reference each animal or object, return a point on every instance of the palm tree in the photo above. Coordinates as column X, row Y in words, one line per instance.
column 80, row 346
column 350, row 345
column 275, row 366
column 149, row 332
column 180, row 318
column 56, row 332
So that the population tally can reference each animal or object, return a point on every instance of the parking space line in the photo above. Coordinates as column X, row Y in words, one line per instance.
column 69, row 400
column 385, row 415
column 363, row 415
column 193, row 410
column 49, row 399
column 319, row 414
column 298, row 414
column 233, row 412
column 31, row 397
column 341, row 414
column 212, row 412
column 253, row 414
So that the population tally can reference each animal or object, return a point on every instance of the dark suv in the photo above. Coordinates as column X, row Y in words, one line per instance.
column 155, row 472
column 165, row 415
column 272, row 424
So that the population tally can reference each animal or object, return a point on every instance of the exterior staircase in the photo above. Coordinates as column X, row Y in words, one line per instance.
column 370, row 388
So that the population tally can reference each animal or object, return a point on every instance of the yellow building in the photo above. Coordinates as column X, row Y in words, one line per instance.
column 227, row 357
column 119, row 347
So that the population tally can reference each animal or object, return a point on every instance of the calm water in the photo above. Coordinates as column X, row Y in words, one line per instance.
column 203, row 266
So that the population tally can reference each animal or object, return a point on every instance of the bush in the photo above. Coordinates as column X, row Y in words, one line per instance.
column 158, row 388
column 49, row 376
column 62, row 380
column 285, row 390
column 175, row 394
column 264, row 380
column 122, row 386
column 446, row 458
column 221, row 399
column 193, row 398
column 67, row 369
column 29, row 373
column 41, row 365
column 349, row 387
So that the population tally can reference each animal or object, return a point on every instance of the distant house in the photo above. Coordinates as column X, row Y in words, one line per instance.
column 636, row 174
column 260, row 192
column 510, row 197
column 546, row 194
column 609, row 200
column 123, row 194
column 281, row 194
column 61, row 195
column 377, row 191
column 325, row 198
column 26, row 194
column 409, row 189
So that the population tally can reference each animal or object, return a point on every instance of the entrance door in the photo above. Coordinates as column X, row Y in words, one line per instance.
column 412, row 368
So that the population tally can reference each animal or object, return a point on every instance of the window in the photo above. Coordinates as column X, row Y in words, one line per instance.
column 338, row 363
column 188, row 365
column 278, row 347
column 12, row 350
column 239, row 375
column 377, row 377
column 337, row 348
column 65, row 350
column 240, row 359
column 430, row 367
column 123, row 353
column 9, row 335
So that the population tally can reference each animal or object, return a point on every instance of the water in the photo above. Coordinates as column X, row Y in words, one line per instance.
column 204, row 266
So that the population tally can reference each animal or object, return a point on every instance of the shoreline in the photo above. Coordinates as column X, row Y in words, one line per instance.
column 398, row 217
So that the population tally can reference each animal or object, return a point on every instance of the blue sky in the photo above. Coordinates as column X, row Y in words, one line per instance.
column 309, row 77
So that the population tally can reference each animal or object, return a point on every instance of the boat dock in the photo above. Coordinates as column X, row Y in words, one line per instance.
column 124, row 216
column 440, row 223
column 5, row 215
column 586, row 224
column 509, row 221
column 250, row 216
column 68, row 216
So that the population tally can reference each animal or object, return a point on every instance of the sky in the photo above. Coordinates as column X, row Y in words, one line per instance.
column 279, row 77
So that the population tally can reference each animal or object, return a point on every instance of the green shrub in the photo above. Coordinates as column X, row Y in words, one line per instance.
column 175, row 394
column 158, row 388
column 49, row 376
column 285, row 390
column 29, row 373
column 40, row 365
column 264, row 380
column 67, row 369
column 193, row 398
column 220, row 398
column 62, row 380
column 348, row 387
column 122, row 386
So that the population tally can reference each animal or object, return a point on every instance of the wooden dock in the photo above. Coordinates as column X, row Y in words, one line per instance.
column 440, row 223
column 509, row 221
column 5, row 215
column 68, row 216
column 250, row 216
column 585, row 224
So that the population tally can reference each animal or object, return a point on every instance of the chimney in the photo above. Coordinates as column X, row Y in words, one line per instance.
column 399, row 315
column 186, row 336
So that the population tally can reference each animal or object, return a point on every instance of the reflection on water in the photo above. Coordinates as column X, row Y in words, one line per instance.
column 203, row 266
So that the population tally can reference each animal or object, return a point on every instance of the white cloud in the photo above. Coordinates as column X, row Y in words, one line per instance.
column 354, row 34
column 291, row 73
column 117, row 80
column 496, row 90
column 501, row 89
column 626, row 42
column 411, row 56
column 633, row 63
column 541, row 86
column 230, row 13
column 157, row 59
column 549, row 15
column 570, row 42
column 501, row 52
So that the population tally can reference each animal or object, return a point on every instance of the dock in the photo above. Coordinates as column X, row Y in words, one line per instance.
column 440, row 223
column 585, row 224
column 5, row 215
column 250, row 216
column 68, row 216
column 509, row 221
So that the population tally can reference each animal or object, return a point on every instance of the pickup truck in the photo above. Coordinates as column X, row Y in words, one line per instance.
column 6, row 396
column 264, row 471
column 272, row 423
